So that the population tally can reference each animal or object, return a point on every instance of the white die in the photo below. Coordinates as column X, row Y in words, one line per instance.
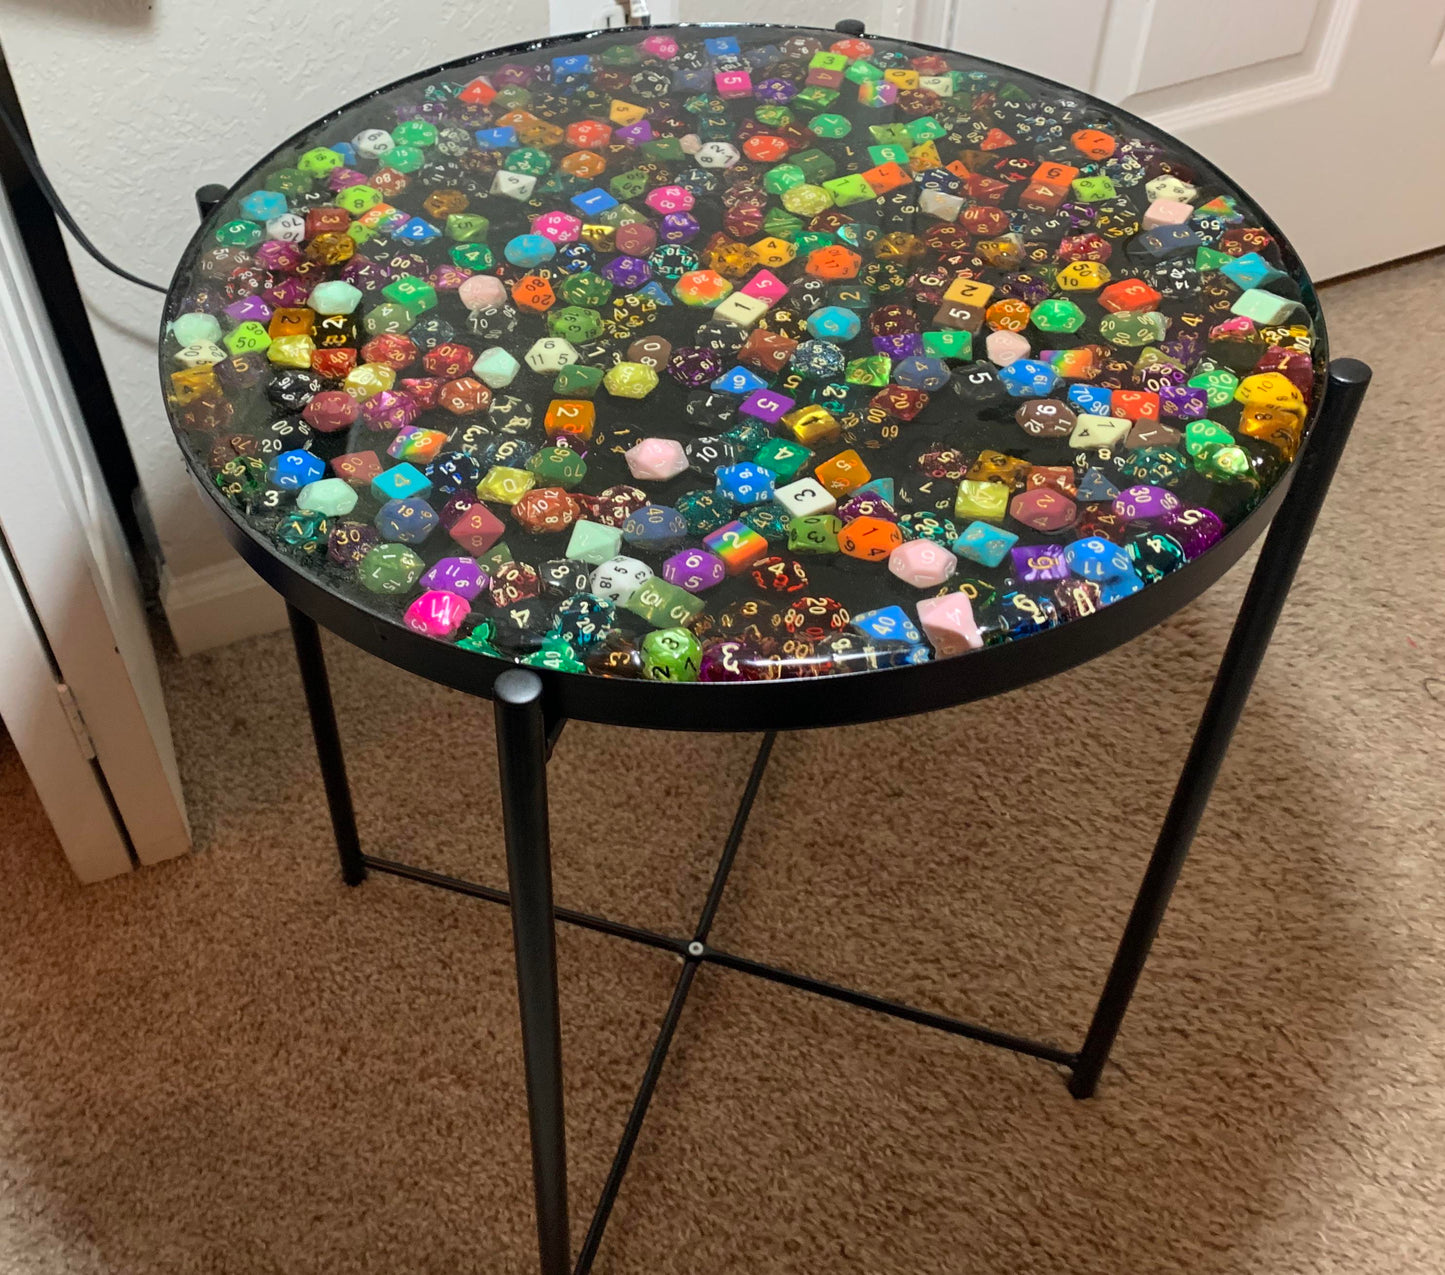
column 717, row 155
column 288, row 228
column 372, row 143
column 200, row 354
column 517, row 186
column 804, row 497
column 619, row 578
column 740, row 310
column 551, row 354
column 940, row 204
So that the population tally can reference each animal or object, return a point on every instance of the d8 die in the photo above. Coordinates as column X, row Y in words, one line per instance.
column 694, row 570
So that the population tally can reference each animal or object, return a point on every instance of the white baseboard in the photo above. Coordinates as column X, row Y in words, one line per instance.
column 217, row 605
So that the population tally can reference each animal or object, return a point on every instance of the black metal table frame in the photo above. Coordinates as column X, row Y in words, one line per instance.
column 531, row 708
column 526, row 732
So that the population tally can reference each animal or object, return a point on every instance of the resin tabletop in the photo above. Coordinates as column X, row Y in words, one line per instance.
column 736, row 353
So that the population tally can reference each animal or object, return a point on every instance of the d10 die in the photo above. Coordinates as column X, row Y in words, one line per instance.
column 924, row 564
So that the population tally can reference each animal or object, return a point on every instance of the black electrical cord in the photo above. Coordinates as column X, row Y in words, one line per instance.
column 62, row 213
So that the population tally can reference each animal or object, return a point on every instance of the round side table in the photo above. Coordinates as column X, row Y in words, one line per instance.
column 745, row 378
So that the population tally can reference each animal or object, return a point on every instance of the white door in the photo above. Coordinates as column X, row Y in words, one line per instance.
column 79, row 690
column 1331, row 113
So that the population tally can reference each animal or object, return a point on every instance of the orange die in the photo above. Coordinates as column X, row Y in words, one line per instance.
column 583, row 164
column 534, row 292
column 834, row 262
column 570, row 418
column 845, row 472
column 589, row 133
column 1128, row 294
column 291, row 321
column 871, row 539
column 1059, row 176
column 1093, row 143
column 887, row 177
column 766, row 148
column 1134, row 405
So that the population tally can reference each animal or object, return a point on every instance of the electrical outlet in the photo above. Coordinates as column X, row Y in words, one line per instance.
column 597, row 15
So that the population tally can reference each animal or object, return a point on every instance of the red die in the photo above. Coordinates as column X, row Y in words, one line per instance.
column 448, row 360
column 546, row 509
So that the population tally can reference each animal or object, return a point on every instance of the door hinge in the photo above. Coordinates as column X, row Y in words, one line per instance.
column 77, row 722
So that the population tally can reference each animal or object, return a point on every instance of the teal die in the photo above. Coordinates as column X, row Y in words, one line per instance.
column 834, row 323
column 399, row 482
column 984, row 544
column 783, row 458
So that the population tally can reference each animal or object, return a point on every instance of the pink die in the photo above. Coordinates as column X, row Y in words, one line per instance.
column 1003, row 347
column 922, row 563
column 661, row 46
column 482, row 291
column 694, row 570
column 1167, row 212
column 437, row 613
column 669, row 199
column 331, row 410
column 949, row 624
column 656, row 458
column 734, row 83
column 559, row 227
column 766, row 286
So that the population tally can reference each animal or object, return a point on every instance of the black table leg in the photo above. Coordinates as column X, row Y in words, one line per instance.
column 328, row 743
column 1284, row 546
column 522, row 746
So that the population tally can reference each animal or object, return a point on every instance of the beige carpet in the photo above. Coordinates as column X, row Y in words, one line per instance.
column 234, row 1064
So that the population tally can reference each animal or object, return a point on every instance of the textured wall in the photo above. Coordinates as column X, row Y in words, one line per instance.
column 135, row 104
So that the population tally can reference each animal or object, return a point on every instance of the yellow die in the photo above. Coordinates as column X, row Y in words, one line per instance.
column 968, row 291
column 981, row 499
column 505, row 485
column 364, row 381
column 292, row 351
column 1083, row 276
column 905, row 79
column 812, row 424
column 1273, row 390
column 773, row 252
column 923, row 157
column 625, row 113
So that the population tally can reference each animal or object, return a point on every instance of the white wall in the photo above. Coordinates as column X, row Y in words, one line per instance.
column 135, row 103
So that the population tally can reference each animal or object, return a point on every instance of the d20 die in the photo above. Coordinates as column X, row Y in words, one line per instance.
column 922, row 563
column 618, row 578
column 656, row 459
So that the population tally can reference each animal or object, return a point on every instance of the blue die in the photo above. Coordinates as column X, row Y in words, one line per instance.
column 1123, row 587
column 417, row 230
column 1096, row 400
column 739, row 380
column 1028, row 378
column 1095, row 558
column 1095, row 486
column 654, row 292
column 573, row 64
column 407, row 522
column 745, row 484
column 529, row 250
column 496, row 139
column 401, row 481
column 294, row 469
column 263, row 205
column 724, row 46
column 888, row 623
column 593, row 201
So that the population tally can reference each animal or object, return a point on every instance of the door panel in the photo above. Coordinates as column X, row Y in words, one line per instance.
column 1294, row 99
